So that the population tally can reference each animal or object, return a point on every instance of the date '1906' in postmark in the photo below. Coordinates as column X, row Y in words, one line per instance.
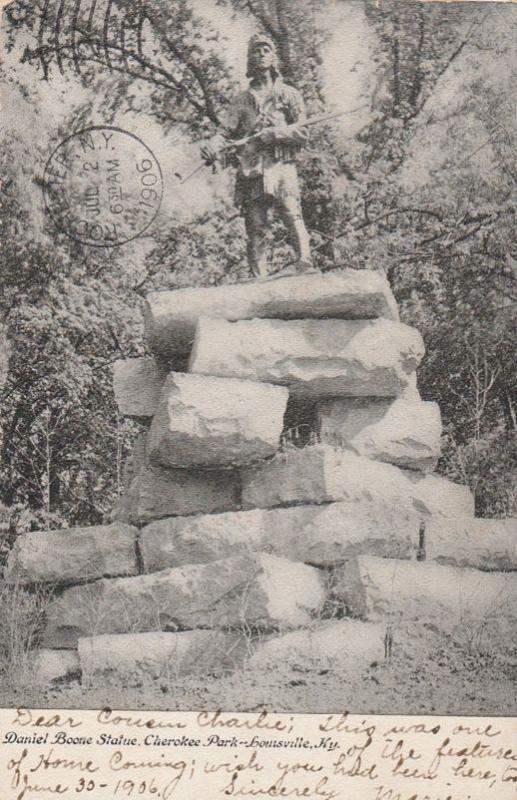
column 102, row 186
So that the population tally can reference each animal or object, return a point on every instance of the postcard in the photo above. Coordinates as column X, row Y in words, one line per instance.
column 258, row 414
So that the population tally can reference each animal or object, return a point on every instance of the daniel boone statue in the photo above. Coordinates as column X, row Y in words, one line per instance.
column 266, row 174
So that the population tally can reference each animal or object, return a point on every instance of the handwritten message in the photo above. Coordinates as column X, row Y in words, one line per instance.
column 112, row 754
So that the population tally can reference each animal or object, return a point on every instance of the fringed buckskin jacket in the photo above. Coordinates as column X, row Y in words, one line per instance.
column 264, row 169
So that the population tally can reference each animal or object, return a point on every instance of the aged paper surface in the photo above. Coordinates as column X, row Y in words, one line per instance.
column 213, row 754
column 258, row 399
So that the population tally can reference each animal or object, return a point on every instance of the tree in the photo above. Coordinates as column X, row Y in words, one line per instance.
column 426, row 192
column 161, row 46
column 65, row 324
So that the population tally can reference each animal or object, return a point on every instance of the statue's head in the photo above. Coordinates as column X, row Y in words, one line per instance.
column 262, row 56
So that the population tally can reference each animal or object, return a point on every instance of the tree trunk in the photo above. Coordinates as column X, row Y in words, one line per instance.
column 396, row 66
column 283, row 42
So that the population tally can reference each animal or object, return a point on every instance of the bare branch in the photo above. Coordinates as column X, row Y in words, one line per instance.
column 57, row 34
column 200, row 78
column 43, row 22
column 141, row 61
column 105, row 32
column 75, row 18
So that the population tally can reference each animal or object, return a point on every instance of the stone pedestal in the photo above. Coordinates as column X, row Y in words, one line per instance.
column 283, row 475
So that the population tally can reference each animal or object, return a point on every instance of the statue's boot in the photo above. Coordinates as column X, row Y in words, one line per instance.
column 301, row 267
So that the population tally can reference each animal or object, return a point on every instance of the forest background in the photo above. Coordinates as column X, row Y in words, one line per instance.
column 419, row 182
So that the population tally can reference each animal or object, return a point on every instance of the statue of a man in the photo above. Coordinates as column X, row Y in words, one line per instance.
column 266, row 166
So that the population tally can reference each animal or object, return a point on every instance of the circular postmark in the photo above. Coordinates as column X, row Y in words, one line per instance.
column 102, row 186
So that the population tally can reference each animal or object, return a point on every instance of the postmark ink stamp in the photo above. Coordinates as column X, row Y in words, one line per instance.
column 102, row 186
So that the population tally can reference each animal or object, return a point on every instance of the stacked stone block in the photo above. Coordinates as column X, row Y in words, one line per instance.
column 230, row 543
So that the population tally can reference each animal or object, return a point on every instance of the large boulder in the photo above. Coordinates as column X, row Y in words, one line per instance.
column 314, row 358
column 488, row 544
column 323, row 474
column 379, row 588
column 350, row 645
column 55, row 666
column 137, row 384
column 201, row 539
column 436, row 496
column 77, row 554
column 135, row 658
column 319, row 535
column 401, row 432
column 171, row 317
column 156, row 492
column 202, row 421
column 251, row 591
column 334, row 532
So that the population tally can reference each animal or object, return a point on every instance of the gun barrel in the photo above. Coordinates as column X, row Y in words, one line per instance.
column 303, row 124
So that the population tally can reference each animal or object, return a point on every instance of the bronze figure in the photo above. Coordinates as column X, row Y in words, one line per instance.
column 266, row 165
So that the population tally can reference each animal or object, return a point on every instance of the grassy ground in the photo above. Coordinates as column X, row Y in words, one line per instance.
column 428, row 673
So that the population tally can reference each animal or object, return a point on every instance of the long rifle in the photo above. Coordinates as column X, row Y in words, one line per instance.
column 317, row 120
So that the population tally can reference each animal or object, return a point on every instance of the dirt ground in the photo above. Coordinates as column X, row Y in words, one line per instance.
column 428, row 672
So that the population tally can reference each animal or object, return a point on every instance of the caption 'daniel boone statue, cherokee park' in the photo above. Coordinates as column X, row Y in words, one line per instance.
column 267, row 116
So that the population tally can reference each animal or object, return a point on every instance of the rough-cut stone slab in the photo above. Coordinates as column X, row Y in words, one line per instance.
column 171, row 317
column 401, row 432
column 347, row 644
column 257, row 591
column 200, row 539
column 489, row 544
column 155, row 493
column 314, row 358
column 322, row 474
column 438, row 496
column 137, row 383
column 319, row 535
column 375, row 588
column 51, row 666
column 328, row 534
column 202, row 421
column 136, row 658
column 72, row 555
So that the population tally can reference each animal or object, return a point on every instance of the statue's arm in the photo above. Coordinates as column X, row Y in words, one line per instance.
column 289, row 135
column 211, row 149
column 297, row 113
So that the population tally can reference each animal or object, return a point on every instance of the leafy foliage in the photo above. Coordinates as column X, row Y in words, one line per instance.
column 63, row 443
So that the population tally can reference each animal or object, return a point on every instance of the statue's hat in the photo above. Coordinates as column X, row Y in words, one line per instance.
column 256, row 39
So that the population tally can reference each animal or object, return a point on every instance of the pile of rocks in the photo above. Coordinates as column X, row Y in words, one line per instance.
column 283, row 483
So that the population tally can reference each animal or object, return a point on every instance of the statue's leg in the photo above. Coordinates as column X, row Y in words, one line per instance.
column 290, row 210
column 255, row 220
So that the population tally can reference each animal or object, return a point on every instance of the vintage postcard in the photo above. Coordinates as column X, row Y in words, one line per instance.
column 258, row 385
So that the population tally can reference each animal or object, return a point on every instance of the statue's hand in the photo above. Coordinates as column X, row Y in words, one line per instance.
column 281, row 133
column 208, row 153
column 293, row 135
column 211, row 148
column 267, row 136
